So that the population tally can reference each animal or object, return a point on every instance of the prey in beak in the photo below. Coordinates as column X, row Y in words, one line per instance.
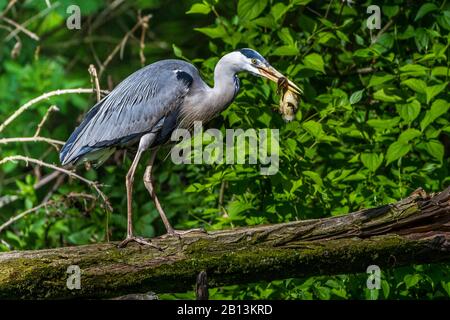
column 273, row 74
column 290, row 92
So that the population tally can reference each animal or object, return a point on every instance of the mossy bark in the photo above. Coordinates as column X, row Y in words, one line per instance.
column 414, row 230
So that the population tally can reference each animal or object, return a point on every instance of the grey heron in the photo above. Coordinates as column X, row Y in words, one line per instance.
column 146, row 107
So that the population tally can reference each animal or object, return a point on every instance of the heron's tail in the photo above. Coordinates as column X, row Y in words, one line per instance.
column 72, row 151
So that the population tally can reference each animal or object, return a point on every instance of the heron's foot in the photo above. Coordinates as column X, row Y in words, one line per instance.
column 181, row 233
column 138, row 240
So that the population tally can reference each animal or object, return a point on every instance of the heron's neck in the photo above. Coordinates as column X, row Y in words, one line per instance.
column 226, row 83
column 214, row 100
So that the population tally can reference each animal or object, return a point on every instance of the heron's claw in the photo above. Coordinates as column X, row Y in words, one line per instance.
column 138, row 240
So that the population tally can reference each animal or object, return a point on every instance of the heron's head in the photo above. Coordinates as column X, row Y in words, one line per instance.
column 251, row 61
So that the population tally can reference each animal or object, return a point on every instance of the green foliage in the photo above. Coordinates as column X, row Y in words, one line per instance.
column 373, row 123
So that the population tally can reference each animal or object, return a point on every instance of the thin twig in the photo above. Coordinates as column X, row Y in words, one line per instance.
column 94, row 80
column 340, row 12
column 328, row 9
column 90, row 183
column 23, row 214
column 8, row 7
column 53, row 142
column 19, row 27
column 102, row 17
column 44, row 119
column 314, row 11
column 383, row 30
column 142, row 42
column 27, row 22
column 46, row 179
column 17, row 46
column 42, row 205
column 43, row 97
column 144, row 19
column 5, row 200
column 221, row 198
column 94, row 53
column 55, row 187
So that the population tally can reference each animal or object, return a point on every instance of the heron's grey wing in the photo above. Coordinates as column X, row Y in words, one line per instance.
column 146, row 101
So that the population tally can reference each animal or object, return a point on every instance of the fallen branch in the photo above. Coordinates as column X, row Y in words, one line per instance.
column 412, row 231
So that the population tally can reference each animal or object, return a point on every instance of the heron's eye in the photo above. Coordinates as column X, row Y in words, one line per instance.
column 254, row 61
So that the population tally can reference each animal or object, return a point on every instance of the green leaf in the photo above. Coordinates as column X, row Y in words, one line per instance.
column 433, row 91
column 265, row 22
column 390, row 11
column 314, row 128
column 425, row 9
column 408, row 135
column 279, row 10
column 314, row 61
column 285, row 35
column 342, row 36
column 386, row 288
column 411, row 280
column 409, row 111
column 440, row 71
column 236, row 207
column 367, row 53
column 177, row 51
column 324, row 37
column 397, row 150
column 216, row 32
column 356, row 96
column 382, row 124
column 300, row 2
column 250, row 9
column 387, row 97
column 436, row 149
column 372, row 161
column 416, row 85
column 286, row 51
column 378, row 79
column 314, row 176
column 414, row 70
column 421, row 38
column 438, row 108
column 446, row 287
column 201, row 8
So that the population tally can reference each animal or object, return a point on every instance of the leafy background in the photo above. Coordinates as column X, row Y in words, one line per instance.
column 372, row 127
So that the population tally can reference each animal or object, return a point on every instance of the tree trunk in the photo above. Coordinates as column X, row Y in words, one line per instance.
column 411, row 231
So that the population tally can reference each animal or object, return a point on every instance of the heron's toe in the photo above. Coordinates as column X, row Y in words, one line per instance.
column 138, row 240
column 180, row 233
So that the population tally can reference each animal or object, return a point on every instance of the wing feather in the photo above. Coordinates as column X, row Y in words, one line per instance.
column 135, row 107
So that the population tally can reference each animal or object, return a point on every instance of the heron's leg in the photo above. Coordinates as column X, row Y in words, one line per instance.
column 129, row 185
column 148, row 181
column 129, row 179
column 149, row 185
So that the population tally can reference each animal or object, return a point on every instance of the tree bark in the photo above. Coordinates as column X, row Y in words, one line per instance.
column 412, row 231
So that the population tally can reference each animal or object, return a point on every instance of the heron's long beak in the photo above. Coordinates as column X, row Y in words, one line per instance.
column 273, row 74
